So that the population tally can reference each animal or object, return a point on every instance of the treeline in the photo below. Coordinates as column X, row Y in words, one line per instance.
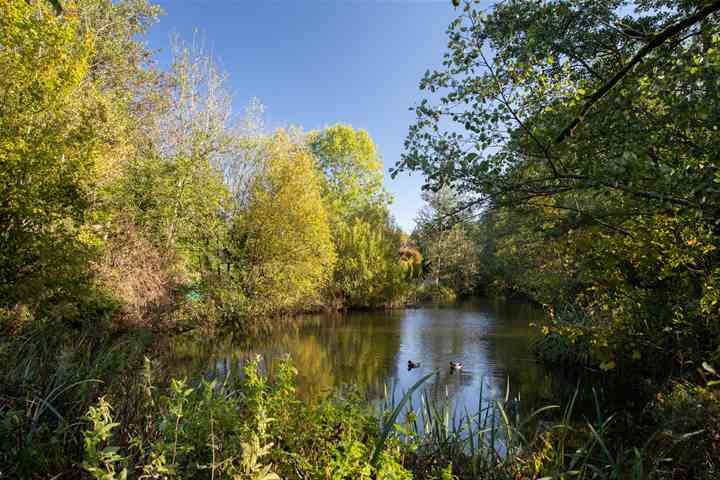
column 582, row 141
column 131, row 192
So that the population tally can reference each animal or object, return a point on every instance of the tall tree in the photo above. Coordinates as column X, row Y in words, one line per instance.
column 368, row 263
column 282, row 236
column 177, row 189
column 548, row 86
column 444, row 233
column 351, row 169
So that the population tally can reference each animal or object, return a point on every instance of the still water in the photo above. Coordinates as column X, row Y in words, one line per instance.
column 370, row 350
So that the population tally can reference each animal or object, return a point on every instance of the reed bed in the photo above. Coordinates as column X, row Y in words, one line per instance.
column 500, row 440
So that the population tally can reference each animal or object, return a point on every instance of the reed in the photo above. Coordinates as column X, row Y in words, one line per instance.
column 499, row 440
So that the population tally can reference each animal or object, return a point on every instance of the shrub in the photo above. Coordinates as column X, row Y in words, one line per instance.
column 435, row 294
column 692, row 410
column 257, row 429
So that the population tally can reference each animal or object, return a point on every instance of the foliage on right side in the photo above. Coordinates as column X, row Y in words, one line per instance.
column 582, row 138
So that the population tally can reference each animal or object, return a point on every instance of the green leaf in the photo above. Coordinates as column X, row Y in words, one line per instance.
column 390, row 422
column 608, row 365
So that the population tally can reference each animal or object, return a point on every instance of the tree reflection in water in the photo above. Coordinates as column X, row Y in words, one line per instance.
column 371, row 350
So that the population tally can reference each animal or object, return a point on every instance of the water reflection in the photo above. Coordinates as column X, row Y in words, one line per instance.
column 371, row 350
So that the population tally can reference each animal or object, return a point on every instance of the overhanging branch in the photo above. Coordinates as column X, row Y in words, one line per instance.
column 654, row 42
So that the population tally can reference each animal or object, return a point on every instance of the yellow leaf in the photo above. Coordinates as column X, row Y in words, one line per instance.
column 609, row 365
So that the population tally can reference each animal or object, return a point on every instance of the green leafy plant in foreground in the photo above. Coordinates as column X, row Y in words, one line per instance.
column 101, row 458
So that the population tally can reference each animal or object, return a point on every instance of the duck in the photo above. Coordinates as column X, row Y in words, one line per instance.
column 456, row 366
column 412, row 365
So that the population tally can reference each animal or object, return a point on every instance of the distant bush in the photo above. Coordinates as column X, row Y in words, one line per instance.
column 435, row 294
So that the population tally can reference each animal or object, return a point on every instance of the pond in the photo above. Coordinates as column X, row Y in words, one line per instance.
column 370, row 350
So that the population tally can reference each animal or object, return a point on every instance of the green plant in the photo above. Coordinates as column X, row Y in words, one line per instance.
column 690, row 417
column 435, row 294
column 101, row 459
column 389, row 422
column 251, row 467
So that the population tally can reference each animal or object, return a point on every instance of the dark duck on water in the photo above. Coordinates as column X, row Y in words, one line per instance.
column 456, row 367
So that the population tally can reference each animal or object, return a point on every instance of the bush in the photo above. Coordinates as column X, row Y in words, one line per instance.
column 53, row 419
column 51, row 375
column 692, row 410
column 435, row 294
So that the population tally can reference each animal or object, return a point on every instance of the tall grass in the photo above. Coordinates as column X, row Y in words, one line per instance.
column 499, row 440
column 389, row 422
column 51, row 374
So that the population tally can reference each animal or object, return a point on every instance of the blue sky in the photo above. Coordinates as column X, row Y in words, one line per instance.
column 315, row 63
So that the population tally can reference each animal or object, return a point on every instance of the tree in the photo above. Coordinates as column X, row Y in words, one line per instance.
column 445, row 236
column 540, row 76
column 556, row 64
column 369, row 265
column 176, row 187
column 281, row 236
column 369, row 271
column 591, row 124
column 351, row 172
column 48, row 150
column 133, row 95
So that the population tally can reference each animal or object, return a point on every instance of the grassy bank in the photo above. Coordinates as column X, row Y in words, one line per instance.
column 80, row 406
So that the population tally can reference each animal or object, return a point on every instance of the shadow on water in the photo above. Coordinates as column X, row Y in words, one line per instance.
column 370, row 350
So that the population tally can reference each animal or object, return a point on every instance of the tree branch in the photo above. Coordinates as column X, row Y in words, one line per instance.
column 654, row 42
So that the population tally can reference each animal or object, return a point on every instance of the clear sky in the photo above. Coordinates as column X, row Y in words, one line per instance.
column 315, row 63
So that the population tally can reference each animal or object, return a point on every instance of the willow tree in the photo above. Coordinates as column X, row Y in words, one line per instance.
column 369, row 270
column 282, row 237
column 600, row 118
